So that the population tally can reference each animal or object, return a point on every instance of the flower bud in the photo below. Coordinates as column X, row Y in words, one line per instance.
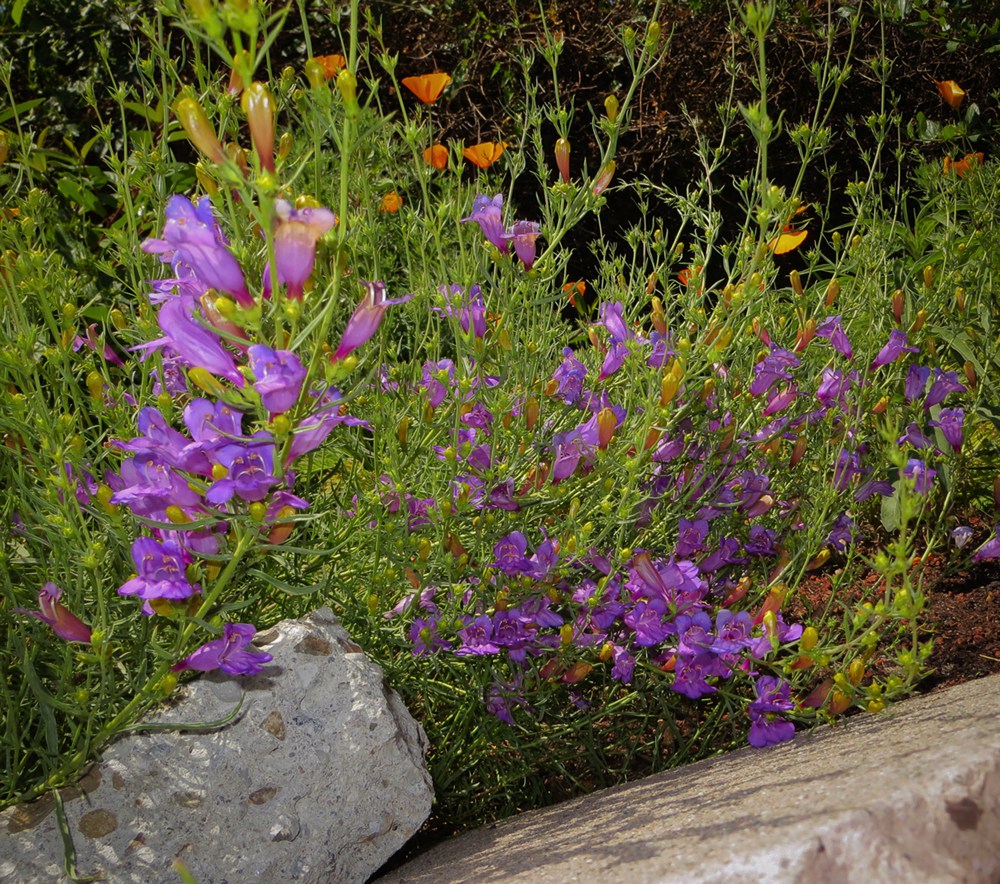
column 798, row 450
column 282, row 529
column 919, row 320
column 611, row 107
column 607, row 422
column 4, row 146
column 929, row 275
column 284, row 145
column 347, row 83
column 604, row 178
column 832, row 290
column 856, row 672
column 199, row 130
column 810, row 637
column 531, row 408
column 898, row 301
column 652, row 35
column 258, row 106
column 796, row 280
column 960, row 298
column 970, row 374
column 241, row 61
column 562, row 158
column 315, row 73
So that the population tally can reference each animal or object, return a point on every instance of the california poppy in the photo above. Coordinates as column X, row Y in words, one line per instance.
column 951, row 92
column 427, row 87
column 485, row 154
column 688, row 273
column 790, row 237
column 436, row 156
column 572, row 289
column 391, row 203
column 963, row 165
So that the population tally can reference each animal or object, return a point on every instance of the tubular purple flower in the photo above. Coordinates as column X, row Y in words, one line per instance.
column 166, row 444
column 250, row 469
column 950, row 422
column 921, row 474
column 832, row 329
column 160, row 571
column 295, row 236
column 192, row 237
column 279, row 375
column 488, row 214
column 523, row 234
column 54, row 613
column 773, row 698
column 230, row 653
column 366, row 318
column 894, row 348
column 194, row 343
column 916, row 380
column 990, row 549
column 945, row 382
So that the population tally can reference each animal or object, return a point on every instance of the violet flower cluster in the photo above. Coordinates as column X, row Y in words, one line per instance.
column 674, row 613
column 488, row 214
column 228, row 462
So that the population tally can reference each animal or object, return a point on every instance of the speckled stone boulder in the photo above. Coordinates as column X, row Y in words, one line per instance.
column 321, row 778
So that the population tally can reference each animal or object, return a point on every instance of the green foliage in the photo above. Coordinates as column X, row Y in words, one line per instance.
column 917, row 256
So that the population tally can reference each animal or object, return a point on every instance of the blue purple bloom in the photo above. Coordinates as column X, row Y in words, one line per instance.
column 231, row 653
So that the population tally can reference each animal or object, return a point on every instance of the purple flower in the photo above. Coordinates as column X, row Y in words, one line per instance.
column 895, row 348
column 295, row 236
column 624, row 664
column 366, row 318
column 833, row 387
column 279, row 375
column 523, row 234
column 166, row 444
column 691, row 537
column 570, row 376
column 773, row 697
column 511, row 632
column 250, row 469
column 424, row 635
column 916, row 380
column 772, row 368
column 961, row 535
column 832, row 329
column 488, row 214
column 915, row 437
column 434, row 376
column 990, row 549
column 160, row 571
column 229, row 653
column 609, row 314
column 470, row 311
column 945, row 382
column 646, row 620
column 312, row 431
column 950, row 422
column 195, row 343
column 692, row 671
column 613, row 359
column 54, row 613
column 921, row 474
column 842, row 533
column 760, row 542
column 509, row 552
column 148, row 486
column 192, row 237
column 477, row 638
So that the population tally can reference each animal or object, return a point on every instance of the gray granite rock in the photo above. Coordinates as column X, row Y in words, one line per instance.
column 911, row 795
column 320, row 779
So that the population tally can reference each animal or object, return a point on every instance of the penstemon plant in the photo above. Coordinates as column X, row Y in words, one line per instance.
column 583, row 540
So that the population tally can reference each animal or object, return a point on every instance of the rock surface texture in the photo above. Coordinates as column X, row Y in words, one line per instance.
column 912, row 795
column 320, row 779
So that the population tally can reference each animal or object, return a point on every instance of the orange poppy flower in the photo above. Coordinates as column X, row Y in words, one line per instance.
column 688, row 273
column 436, row 156
column 963, row 165
column 572, row 289
column 391, row 203
column 951, row 92
column 485, row 154
column 427, row 87
column 332, row 64
column 790, row 238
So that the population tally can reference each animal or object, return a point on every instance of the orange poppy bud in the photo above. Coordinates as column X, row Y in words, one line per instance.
column 919, row 320
column 282, row 529
column 805, row 335
column 951, row 92
column 572, row 289
column 391, row 203
column 898, row 301
column 960, row 298
column 611, row 107
column 347, row 83
column 659, row 317
column 970, row 373
column 577, row 672
column 258, row 105
column 427, row 87
column 437, row 156
column 562, row 158
column 832, row 290
column 240, row 60
column 199, row 130
column 484, row 154
column 798, row 450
